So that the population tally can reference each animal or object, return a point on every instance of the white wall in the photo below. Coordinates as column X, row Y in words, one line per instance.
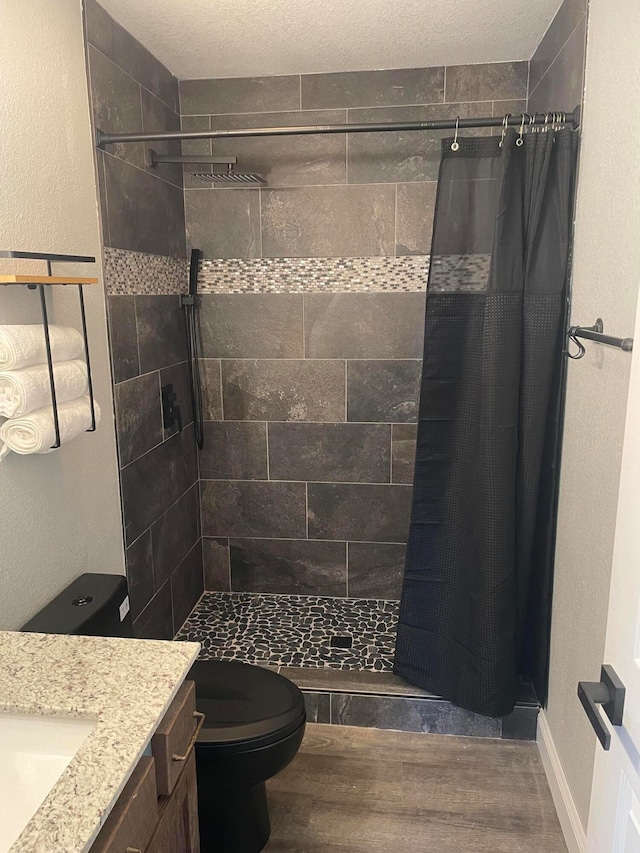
column 59, row 513
column 607, row 235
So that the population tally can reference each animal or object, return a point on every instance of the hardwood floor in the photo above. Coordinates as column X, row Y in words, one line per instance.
column 355, row 790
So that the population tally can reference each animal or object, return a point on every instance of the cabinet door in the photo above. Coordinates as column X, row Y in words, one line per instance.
column 177, row 830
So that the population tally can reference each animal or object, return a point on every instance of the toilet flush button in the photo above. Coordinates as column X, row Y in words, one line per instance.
column 80, row 602
column 124, row 608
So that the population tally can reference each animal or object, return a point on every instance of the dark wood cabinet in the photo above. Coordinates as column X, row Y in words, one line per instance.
column 177, row 829
column 157, row 811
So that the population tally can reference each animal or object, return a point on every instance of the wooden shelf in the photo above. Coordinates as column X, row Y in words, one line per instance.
column 45, row 279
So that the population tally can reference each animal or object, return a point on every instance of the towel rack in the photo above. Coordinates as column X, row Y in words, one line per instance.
column 38, row 282
column 596, row 333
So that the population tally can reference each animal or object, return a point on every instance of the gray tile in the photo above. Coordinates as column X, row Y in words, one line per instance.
column 123, row 337
column 287, row 161
column 187, row 586
column 329, row 221
column 359, row 513
column 157, row 116
column 520, row 724
column 255, row 509
column 223, row 224
column 351, row 681
column 514, row 107
column 123, row 49
column 195, row 146
column 375, row 570
column 217, row 571
column 156, row 620
column 410, row 715
column 415, row 208
column 317, row 706
column 351, row 453
column 102, row 197
column 405, row 155
column 561, row 88
column 288, row 567
column 153, row 482
column 139, row 560
column 566, row 20
column 146, row 214
column 284, row 389
column 115, row 99
column 234, row 450
column 252, row 325
column 239, row 95
column 161, row 333
column 493, row 81
column 373, row 88
column 364, row 325
column 174, row 534
column 178, row 376
column 138, row 416
column 403, row 452
column 383, row 391
column 211, row 389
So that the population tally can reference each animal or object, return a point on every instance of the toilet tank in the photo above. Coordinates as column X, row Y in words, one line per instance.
column 96, row 605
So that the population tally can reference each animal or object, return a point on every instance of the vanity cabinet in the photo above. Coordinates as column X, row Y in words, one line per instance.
column 157, row 811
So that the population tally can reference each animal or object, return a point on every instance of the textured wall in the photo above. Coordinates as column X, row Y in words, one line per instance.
column 556, row 77
column 60, row 512
column 142, row 207
column 606, row 227
column 312, row 392
column 335, row 195
column 143, row 228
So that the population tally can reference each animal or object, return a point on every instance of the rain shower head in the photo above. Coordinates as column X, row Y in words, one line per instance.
column 227, row 176
column 230, row 177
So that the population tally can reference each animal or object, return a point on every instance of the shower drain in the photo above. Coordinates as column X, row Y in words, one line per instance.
column 341, row 642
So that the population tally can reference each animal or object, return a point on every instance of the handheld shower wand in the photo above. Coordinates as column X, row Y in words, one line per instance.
column 190, row 306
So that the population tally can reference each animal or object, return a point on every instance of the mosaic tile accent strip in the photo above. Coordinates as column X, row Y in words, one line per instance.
column 127, row 272
column 294, row 630
column 460, row 273
column 314, row 275
column 136, row 273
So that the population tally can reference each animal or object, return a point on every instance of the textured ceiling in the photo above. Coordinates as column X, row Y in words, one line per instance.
column 244, row 38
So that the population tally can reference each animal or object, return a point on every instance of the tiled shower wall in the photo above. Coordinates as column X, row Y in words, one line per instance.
column 312, row 320
column 143, row 229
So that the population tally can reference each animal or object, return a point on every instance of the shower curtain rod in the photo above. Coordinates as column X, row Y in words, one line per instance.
column 571, row 119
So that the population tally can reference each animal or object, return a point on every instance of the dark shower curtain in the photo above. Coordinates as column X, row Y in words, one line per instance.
column 474, row 614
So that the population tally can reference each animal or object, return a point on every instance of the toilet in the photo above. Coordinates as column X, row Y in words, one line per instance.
column 254, row 718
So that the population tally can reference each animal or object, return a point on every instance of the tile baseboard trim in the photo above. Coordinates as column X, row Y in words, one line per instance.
column 572, row 829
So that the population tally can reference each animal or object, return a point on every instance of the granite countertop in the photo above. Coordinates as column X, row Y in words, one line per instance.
column 125, row 685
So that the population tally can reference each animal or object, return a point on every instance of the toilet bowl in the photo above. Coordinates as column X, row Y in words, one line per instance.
column 254, row 718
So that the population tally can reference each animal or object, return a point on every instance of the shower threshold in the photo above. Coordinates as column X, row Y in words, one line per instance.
column 340, row 654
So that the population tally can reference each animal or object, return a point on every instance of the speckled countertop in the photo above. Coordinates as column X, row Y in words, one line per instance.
column 126, row 685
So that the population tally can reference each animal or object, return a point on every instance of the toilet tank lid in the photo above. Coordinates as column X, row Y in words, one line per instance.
column 78, row 603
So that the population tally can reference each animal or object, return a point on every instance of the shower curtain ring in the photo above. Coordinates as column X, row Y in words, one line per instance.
column 505, row 124
column 454, row 145
column 581, row 350
column 520, row 140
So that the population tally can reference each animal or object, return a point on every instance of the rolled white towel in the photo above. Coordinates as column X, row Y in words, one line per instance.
column 23, row 391
column 35, row 432
column 22, row 346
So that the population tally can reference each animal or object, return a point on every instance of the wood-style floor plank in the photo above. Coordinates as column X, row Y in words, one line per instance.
column 355, row 790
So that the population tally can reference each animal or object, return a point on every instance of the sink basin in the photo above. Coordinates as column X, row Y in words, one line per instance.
column 34, row 752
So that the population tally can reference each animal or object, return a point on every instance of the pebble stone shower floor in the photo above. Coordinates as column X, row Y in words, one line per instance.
column 295, row 630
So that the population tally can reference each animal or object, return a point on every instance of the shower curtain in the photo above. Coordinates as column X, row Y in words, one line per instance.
column 474, row 614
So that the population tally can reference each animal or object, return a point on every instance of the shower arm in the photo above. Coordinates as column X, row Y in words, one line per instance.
column 555, row 119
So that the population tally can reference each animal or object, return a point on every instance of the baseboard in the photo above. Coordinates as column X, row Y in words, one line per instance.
column 565, row 806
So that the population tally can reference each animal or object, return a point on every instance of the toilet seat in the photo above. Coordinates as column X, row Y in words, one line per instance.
column 245, row 706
